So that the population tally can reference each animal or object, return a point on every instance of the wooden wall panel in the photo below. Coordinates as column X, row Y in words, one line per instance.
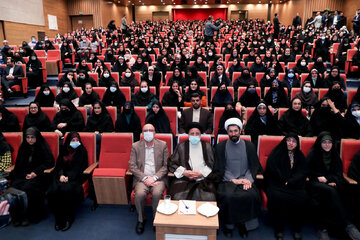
column 87, row 7
column 320, row 5
column 114, row 12
column 287, row 11
column 18, row 32
column 349, row 9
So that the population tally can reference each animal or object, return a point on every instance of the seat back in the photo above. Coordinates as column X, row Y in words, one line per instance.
column 53, row 55
column 322, row 92
column 113, row 156
column 100, row 90
column 53, row 140
column 50, row 112
column 14, row 139
column 115, row 75
column 350, row 95
column 83, row 112
column 283, row 110
column 40, row 53
column 242, row 90
column 112, row 111
column 95, row 76
column 348, row 149
column 141, row 112
column 265, row 146
column 166, row 137
column 163, row 90
column 249, row 112
column 171, row 112
column 127, row 92
column 306, row 144
column 20, row 113
column 204, row 137
column 218, row 112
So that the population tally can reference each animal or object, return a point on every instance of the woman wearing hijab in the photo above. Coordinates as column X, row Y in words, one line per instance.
column 191, row 74
column 249, row 98
column 69, row 76
column 114, row 97
column 129, row 80
column 236, row 67
column 327, row 185
column 109, row 56
column 221, row 96
column 230, row 112
column 354, row 173
column 153, row 78
column 82, row 66
column 173, row 97
column 276, row 96
column 67, row 119
column 33, row 71
column 269, row 77
column 301, row 66
column 244, row 80
column 351, row 124
column 337, row 96
column 220, row 77
column 66, row 190
column 258, row 66
column 120, row 65
column 319, row 66
column 100, row 120
column 290, row 80
column 83, row 78
column 66, row 52
column 129, row 121
column 293, row 121
column 89, row 96
column 8, row 121
column 144, row 97
column 36, row 118
column 5, row 154
column 261, row 122
column 177, row 76
column 33, row 158
column 45, row 97
column 194, row 88
column 67, row 92
column 307, row 96
column 48, row 46
column 285, row 177
column 139, row 66
column 158, row 118
column 333, row 77
column 106, row 79
column 199, row 64
column 315, row 79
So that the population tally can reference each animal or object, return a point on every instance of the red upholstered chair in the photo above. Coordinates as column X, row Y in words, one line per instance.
column 152, row 89
column 40, row 53
column 115, row 75
column 100, row 90
column 203, row 75
column 83, row 112
column 163, row 90
column 303, row 77
column 306, row 144
column 127, row 92
column 349, row 147
column 20, row 113
column 112, row 111
column 171, row 112
column 334, row 52
column 291, row 65
column 14, row 139
column 55, row 56
column 249, row 111
column 78, row 91
column 235, row 76
column 22, row 87
column 50, row 112
column 53, row 140
column 183, row 137
column 110, row 181
column 43, row 68
column 294, row 91
column 241, row 91
column 283, row 110
column 259, row 76
column 141, row 112
column 348, row 65
column 350, row 95
column 322, row 92
column 95, row 76
column 213, row 91
column 223, row 137
column 218, row 112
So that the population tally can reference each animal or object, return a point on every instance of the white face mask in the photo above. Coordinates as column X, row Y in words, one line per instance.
column 127, row 75
column 149, row 49
column 210, row 54
column 127, row 55
column 306, row 89
column 33, row 58
column 356, row 113
column 303, row 64
column 148, row 136
column 106, row 75
column 66, row 89
column 144, row 89
column 46, row 93
column 262, row 47
column 112, row 89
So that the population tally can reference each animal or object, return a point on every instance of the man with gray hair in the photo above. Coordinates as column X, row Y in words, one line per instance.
column 236, row 166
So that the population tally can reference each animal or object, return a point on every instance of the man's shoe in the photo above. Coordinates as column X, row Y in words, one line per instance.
column 279, row 236
column 25, row 222
column 243, row 232
column 139, row 228
column 323, row 234
column 227, row 232
column 297, row 236
column 67, row 226
column 353, row 232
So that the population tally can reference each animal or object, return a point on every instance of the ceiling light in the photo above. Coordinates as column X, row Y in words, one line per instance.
column 259, row 1
column 133, row 4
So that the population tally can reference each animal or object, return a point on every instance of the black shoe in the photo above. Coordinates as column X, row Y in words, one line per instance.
column 58, row 227
column 25, row 223
column 297, row 236
column 139, row 228
column 242, row 230
column 227, row 232
column 279, row 236
column 16, row 223
column 67, row 226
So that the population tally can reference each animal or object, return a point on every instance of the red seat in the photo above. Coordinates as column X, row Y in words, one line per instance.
column 141, row 112
column 24, row 83
column 100, row 90
column 14, row 139
column 171, row 112
column 115, row 75
column 335, row 47
column 348, row 65
column 241, row 91
column 291, row 65
column 43, row 68
column 235, row 76
column 259, row 76
column 218, row 112
column 306, row 144
column 20, row 113
column 55, row 56
column 223, row 137
column 40, row 53
column 184, row 137
column 127, row 92
column 203, row 76
column 283, row 110
column 152, row 89
column 113, row 113
column 83, row 112
column 95, row 76
column 50, row 112
column 303, row 77
column 163, row 90
column 294, row 91
column 249, row 112
column 53, row 140
column 348, row 149
column 213, row 91
column 350, row 95
column 322, row 92
column 110, row 179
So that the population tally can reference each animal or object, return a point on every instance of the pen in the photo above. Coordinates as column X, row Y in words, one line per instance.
column 185, row 204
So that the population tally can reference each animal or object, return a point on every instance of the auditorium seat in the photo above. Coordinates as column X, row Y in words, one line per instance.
column 350, row 95
column 127, row 92
column 20, row 113
column 141, row 112
column 294, row 91
column 50, row 112
column 163, row 90
column 218, row 112
column 113, row 113
column 40, row 53
column 115, row 75
column 348, row 149
column 23, row 87
column 110, row 179
column 54, row 56
column 283, row 110
column 259, row 76
column 348, row 65
column 95, row 76
column 53, row 140
column 322, row 92
column 171, row 112
column 235, row 76
column 83, row 112
column 14, row 139
column 249, row 112
column 100, row 90
column 223, row 137
column 43, row 68
column 306, row 143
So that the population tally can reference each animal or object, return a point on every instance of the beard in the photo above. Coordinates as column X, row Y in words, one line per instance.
column 235, row 138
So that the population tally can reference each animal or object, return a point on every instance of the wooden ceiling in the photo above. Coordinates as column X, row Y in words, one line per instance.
column 189, row 2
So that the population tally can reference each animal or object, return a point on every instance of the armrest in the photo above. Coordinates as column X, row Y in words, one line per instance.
column 10, row 169
column 128, row 173
column 259, row 176
column 49, row 170
column 349, row 180
column 24, row 84
column 90, row 168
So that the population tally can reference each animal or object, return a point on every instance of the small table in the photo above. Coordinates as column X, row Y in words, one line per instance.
column 186, row 224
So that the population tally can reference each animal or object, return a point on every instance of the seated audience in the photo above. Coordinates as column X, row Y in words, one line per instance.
column 221, row 96
column 173, row 97
column 36, row 118
column 158, row 118
column 69, row 93
column 45, row 97
column 5, row 154
column 100, row 120
column 89, row 97
column 144, row 97
column 128, row 121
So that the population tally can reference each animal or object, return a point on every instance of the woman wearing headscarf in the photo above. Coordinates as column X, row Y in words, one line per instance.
column 36, row 118
column 285, row 177
column 129, row 121
column 315, row 79
column 82, row 66
column 290, row 80
column 326, row 185
column 153, row 78
column 100, row 120
column 48, row 46
column 65, row 191
column 307, row 96
column 351, row 124
column 109, row 56
column 229, row 112
column 173, row 97
column 66, row 52
column 67, row 119
column 158, row 118
column 220, row 76
column 221, row 96
column 301, row 66
column 191, row 74
column 236, row 67
column 269, row 77
column 336, row 95
column 69, row 76
column 333, row 77
column 276, row 96
column 45, row 97
column 5, row 154
column 67, row 92
column 341, row 54
column 8, row 121
column 106, row 79
column 83, row 78
column 249, row 98
column 257, row 66
column 293, row 121
column 194, row 88
column 261, row 122
column 144, row 97
column 89, row 96
column 33, row 158
column 244, row 80
column 319, row 66
column 33, row 71
column 114, row 97
column 120, row 65
column 177, row 76
column 199, row 64
column 129, row 80
column 139, row 66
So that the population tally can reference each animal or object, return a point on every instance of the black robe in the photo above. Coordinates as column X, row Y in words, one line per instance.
column 101, row 123
column 134, row 126
column 40, row 120
column 171, row 99
column 43, row 100
column 116, row 99
column 88, row 99
column 143, row 99
column 160, row 121
column 9, row 121
column 295, row 122
column 73, row 118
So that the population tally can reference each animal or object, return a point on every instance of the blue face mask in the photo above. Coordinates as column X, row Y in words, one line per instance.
column 251, row 90
column 290, row 75
column 74, row 145
column 194, row 140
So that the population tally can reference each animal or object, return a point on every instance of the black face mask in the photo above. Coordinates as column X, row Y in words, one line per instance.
column 65, row 112
column 127, row 111
column 246, row 75
column 275, row 89
column 222, row 92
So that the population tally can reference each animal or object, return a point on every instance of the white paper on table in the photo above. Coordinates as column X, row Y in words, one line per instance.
column 187, row 207
column 184, row 237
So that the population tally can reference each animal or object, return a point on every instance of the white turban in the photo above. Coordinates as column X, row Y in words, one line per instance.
column 233, row 121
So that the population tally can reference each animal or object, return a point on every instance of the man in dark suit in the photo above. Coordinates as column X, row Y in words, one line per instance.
column 11, row 76
column 148, row 164
column 196, row 114
column 296, row 21
column 276, row 26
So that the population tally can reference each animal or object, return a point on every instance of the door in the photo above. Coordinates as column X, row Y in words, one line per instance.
column 85, row 21
column 160, row 16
